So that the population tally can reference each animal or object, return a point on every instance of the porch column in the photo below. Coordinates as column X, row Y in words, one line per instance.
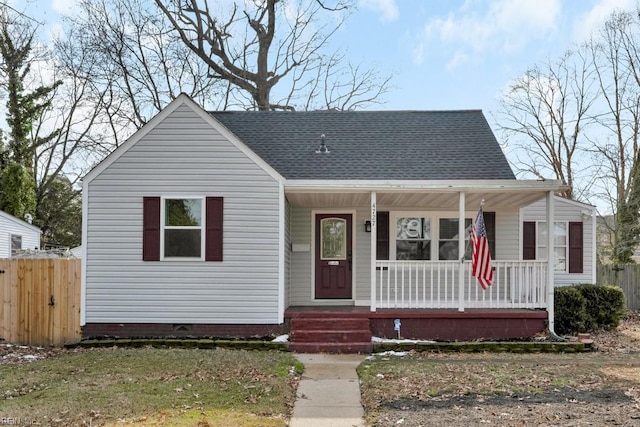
column 461, row 248
column 550, row 260
column 374, row 255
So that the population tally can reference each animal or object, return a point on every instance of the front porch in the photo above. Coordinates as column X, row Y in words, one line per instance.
column 344, row 329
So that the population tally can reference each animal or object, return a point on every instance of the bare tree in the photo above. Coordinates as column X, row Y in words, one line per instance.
column 43, row 119
column 545, row 115
column 616, row 56
column 135, row 63
column 261, row 45
column 584, row 109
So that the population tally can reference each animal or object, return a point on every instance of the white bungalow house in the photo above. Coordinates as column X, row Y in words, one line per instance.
column 16, row 235
column 255, row 223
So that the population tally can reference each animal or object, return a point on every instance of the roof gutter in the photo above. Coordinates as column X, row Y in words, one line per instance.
column 306, row 186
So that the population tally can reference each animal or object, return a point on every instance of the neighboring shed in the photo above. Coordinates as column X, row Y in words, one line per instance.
column 16, row 234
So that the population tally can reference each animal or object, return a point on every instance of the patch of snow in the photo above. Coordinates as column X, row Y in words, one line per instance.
column 387, row 354
column 400, row 341
column 30, row 357
column 281, row 338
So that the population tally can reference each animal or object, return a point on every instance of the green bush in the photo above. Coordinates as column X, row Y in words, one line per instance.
column 570, row 313
column 605, row 305
column 586, row 307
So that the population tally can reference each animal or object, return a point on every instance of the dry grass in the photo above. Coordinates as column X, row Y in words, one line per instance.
column 433, row 389
column 151, row 387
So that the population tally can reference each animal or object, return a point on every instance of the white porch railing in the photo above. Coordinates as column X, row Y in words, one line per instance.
column 435, row 284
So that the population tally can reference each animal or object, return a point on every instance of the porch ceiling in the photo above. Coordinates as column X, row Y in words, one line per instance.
column 437, row 200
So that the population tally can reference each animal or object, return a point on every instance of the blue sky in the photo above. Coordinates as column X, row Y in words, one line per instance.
column 446, row 54
column 462, row 54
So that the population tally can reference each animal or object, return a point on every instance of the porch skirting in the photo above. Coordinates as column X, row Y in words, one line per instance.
column 436, row 324
column 425, row 324
column 164, row 330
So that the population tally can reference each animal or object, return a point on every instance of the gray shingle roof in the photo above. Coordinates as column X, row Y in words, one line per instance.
column 373, row 145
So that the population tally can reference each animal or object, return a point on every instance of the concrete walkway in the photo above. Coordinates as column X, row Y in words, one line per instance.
column 329, row 392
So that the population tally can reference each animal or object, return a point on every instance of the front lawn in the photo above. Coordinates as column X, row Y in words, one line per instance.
column 150, row 386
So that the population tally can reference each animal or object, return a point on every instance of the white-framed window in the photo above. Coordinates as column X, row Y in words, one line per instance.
column 448, row 238
column 412, row 237
column 182, row 228
column 426, row 236
column 16, row 244
column 559, row 246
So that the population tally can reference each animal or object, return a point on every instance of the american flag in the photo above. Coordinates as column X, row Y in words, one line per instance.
column 481, row 260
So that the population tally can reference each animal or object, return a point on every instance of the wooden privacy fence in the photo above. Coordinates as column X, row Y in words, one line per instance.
column 40, row 301
column 627, row 277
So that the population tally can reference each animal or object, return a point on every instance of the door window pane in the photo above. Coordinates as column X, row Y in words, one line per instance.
column 333, row 238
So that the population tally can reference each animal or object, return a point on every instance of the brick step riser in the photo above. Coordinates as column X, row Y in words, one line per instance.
column 330, row 324
column 361, row 347
column 330, row 336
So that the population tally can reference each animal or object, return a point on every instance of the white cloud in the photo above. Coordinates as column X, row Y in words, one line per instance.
column 63, row 7
column 500, row 25
column 388, row 9
column 589, row 21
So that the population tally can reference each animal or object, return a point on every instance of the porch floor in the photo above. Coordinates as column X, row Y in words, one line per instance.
column 424, row 324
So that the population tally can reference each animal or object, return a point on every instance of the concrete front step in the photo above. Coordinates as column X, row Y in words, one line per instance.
column 324, row 347
column 330, row 323
column 343, row 336
column 330, row 335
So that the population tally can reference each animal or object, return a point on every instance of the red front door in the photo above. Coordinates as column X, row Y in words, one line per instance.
column 333, row 256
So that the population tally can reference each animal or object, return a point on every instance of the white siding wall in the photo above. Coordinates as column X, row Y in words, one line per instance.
column 182, row 156
column 10, row 225
column 287, row 252
column 362, row 257
column 300, row 273
column 507, row 235
column 568, row 211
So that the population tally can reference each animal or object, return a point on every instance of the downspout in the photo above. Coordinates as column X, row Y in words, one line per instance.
column 551, row 267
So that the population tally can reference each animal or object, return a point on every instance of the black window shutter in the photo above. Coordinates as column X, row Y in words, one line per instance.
column 490, row 227
column 151, row 229
column 529, row 240
column 382, row 235
column 575, row 247
column 215, row 216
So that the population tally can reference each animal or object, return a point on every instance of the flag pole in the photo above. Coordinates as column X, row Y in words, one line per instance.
column 468, row 244
column 481, row 267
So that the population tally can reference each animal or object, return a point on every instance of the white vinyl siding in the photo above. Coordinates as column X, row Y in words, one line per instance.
column 183, row 156
column 567, row 211
column 287, row 254
column 10, row 225
column 300, row 274
column 507, row 235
